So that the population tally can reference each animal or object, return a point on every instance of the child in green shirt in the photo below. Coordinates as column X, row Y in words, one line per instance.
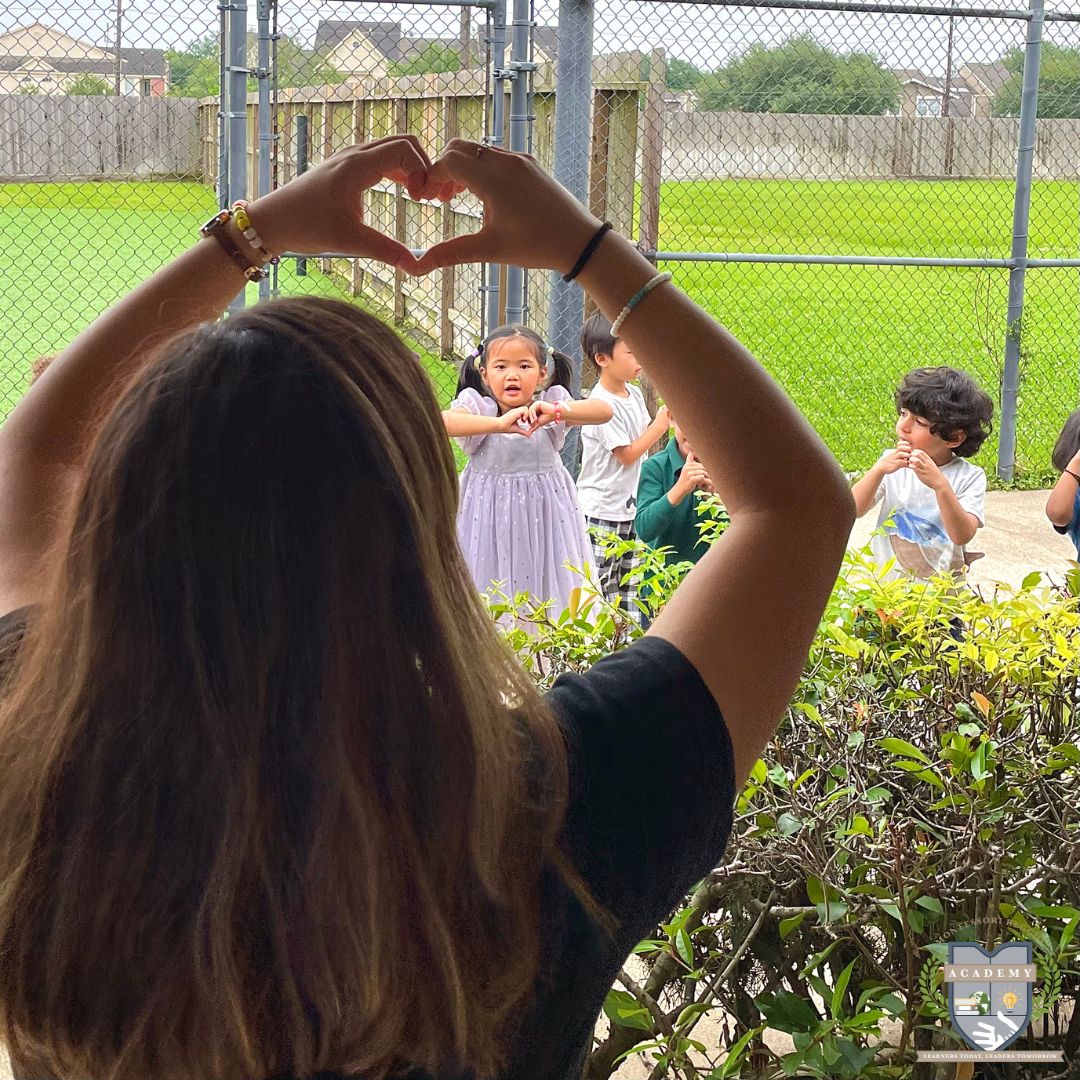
column 667, row 500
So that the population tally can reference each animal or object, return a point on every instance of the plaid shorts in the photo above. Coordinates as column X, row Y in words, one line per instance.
column 619, row 589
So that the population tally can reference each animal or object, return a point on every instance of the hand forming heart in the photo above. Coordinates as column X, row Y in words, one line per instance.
column 323, row 211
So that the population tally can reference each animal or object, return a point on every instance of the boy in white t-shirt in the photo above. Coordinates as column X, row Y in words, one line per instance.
column 931, row 495
column 611, row 456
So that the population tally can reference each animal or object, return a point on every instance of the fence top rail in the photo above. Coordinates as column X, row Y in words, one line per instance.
column 886, row 8
column 852, row 260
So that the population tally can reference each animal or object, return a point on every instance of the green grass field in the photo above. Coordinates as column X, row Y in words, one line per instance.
column 838, row 338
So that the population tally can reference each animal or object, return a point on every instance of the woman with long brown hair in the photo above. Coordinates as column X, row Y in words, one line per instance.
column 275, row 799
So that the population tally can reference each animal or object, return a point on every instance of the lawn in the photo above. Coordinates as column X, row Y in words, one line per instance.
column 73, row 249
column 838, row 338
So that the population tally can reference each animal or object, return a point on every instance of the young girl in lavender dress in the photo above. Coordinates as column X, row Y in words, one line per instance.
column 519, row 524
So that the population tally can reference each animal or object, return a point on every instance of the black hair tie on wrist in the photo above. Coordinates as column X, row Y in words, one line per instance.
column 587, row 254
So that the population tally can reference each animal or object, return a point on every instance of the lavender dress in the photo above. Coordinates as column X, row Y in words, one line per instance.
column 519, row 521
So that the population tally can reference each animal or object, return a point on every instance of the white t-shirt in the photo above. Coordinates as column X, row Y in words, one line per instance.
column 916, row 538
column 607, row 489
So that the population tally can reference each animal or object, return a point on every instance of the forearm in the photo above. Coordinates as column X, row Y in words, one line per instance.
column 760, row 452
column 54, row 422
column 459, row 423
column 1059, row 506
column 864, row 489
column 640, row 446
column 957, row 521
column 586, row 411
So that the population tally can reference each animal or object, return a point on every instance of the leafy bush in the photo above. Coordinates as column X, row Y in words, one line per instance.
column 921, row 789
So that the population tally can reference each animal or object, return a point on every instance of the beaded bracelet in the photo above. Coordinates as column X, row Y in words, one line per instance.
column 636, row 299
column 1073, row 475
column 247, row 230
column 215, row 227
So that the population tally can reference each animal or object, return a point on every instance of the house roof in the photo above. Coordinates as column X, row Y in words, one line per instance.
column 385, row 36
column 12, row 62
column 144, row 62
column 931, row 82
column 388, row 39
column 989, row 77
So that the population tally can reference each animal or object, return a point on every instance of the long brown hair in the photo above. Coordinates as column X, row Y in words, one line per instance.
column 274, row 796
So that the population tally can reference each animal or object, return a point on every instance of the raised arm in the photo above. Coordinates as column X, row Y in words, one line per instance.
column 627, row 455
column 747, row 613
column 1062, row 499
column 44, row 442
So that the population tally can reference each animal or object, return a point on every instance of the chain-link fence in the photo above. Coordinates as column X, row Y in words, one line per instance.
column 835, row 181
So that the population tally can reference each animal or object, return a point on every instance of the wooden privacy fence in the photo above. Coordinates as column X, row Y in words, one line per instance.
column 789, row 146
column 62, row 137
column 447, row 304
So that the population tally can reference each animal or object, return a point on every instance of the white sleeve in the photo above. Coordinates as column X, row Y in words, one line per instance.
column 971, row 493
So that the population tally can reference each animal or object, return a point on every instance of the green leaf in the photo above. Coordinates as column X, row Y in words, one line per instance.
column 839, row 991
column 787, row 824
column 931, row 903
column 903, row 748
column 892, row 909
column 623, row 1009
column 788, row 1012
column 878, row 794
column 978, row 761
column 788, row 926
column 1031, row 581
column 684, row 948
column 692, row 1012
column 733, row 1060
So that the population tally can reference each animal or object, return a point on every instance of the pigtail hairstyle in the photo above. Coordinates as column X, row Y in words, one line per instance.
column 1068, row 442
column 469, row 373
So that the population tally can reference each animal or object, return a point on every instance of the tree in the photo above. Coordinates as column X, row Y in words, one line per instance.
column 682, row 75
column 297, row 66
column 89, row 84
column 1059, row 83
column 195, row 71
column 432, row 59
column 800, row 76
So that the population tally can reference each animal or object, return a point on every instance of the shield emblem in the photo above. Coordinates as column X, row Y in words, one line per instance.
column 990, row 1012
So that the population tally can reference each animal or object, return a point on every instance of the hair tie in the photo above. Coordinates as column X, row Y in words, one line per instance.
column 550, row 349
column 478, row 355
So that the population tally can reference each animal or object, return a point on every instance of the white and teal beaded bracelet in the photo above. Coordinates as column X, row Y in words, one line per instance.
column 636, row 299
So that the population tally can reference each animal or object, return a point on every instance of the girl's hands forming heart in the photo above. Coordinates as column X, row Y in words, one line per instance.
column 516, row 421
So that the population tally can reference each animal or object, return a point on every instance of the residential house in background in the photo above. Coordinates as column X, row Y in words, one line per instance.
column 358, row 48
column 984, row 81
column 924, row 95
column 37, row 59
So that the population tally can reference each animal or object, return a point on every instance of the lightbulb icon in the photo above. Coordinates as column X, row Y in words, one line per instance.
column 1009, row 999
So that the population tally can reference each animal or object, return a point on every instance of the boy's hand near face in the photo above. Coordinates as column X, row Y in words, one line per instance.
column 899, row 458
column 927, row 470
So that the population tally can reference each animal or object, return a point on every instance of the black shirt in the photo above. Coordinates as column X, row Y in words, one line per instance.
column 651, row 797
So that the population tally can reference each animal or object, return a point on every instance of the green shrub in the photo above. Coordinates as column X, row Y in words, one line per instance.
column 920, row 790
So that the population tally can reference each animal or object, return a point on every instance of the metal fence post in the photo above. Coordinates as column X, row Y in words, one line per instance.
column 266, row 137
column 301, row 167
column 1029, row 107
column 236, row 115
column 520, row 120
column 495, row 138
column 573, row 114
column 223, row 105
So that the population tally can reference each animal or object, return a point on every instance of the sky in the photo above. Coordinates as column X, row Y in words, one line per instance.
column 707, row 35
